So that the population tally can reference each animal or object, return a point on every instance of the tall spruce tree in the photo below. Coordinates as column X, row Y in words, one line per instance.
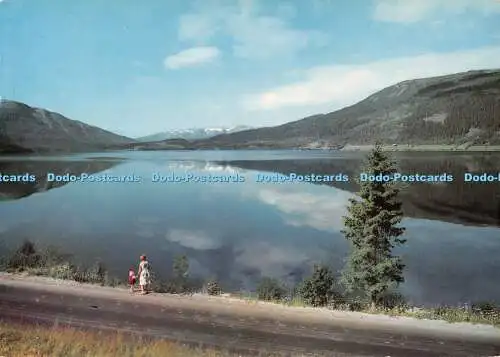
column 371, row 226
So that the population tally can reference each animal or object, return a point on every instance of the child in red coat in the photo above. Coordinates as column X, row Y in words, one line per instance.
column 131, row 279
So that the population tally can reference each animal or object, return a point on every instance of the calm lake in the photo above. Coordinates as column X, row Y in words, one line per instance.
column 241, row 231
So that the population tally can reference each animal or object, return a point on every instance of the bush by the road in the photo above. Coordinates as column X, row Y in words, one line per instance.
column 55, row 264
column 213, row 288
column 270, row 289
column 319, row 288
column 180, row 282
column 25, row 257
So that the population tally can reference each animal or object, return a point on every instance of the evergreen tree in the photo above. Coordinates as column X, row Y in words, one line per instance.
column 371, row 226
column 181, row 274
column 181, row 267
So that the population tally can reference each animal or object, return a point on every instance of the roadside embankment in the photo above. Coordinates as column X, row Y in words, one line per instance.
column 231, row 323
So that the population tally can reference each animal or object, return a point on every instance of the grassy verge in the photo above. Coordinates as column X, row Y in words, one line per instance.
column 51, row 263
column 26, row 341
column 485, row 314
column 482, row 313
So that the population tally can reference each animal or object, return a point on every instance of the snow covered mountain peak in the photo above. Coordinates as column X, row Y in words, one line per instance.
column 192, row 134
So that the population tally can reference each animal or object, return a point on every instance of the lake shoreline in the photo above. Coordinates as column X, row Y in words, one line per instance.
column 457, row 319
column 347, row 148
column 424, row 148
column 211, row 322
column 459, row 316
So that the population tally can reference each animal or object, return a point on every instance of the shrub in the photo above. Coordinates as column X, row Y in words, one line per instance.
column 95, row 275
column 393, row 300
column 270, row 289
column 4, row 263
column 173, row 287
column 181, row 267
column 28, row 258
column 357, row 304
column 24, row 258
column 319, row 288
column 443, row 311
column 485, row 308
column 52, row 256
column 213, row 288
column 62, row 271
column 98, row 273
column 114, row 281
column 80, row 275
column 179, row 284
column 157, row 283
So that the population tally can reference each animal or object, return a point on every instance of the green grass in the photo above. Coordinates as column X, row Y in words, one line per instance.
column 487, row 314
column 30, row 341
column 459, row 314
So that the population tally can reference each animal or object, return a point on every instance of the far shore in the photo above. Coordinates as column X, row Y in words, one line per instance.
column 346, row 148
column 406, row 147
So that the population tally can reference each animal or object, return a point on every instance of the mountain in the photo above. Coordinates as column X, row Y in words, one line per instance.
column 457, row 109
column 462, row 108
column 191, row 134
column 27, row 129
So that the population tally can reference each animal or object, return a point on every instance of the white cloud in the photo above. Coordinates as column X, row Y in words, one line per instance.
column 411, row 11
column 195, row 239
column 319, row 209
column 268, row 259
column 253, row 34
column 341, row 85
column 263, row 37
column 192, row 57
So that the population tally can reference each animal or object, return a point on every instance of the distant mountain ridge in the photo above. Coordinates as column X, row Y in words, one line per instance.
column 28, row 129
column 462, row 108
column 459, row 109
column 192, row 134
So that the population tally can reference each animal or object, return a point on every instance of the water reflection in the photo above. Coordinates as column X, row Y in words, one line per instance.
column 16, row 190
column 446, row 263
column 458, row 201
column 239, row 232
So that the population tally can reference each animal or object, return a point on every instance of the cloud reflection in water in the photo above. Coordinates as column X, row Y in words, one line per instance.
column 445, row 262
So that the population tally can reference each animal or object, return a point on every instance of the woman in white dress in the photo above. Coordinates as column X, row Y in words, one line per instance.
column 144, row 274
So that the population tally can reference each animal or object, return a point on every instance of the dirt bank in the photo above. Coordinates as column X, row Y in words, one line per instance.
column 230, row 322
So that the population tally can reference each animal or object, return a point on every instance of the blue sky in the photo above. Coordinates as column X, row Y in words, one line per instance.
column 138, row 68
